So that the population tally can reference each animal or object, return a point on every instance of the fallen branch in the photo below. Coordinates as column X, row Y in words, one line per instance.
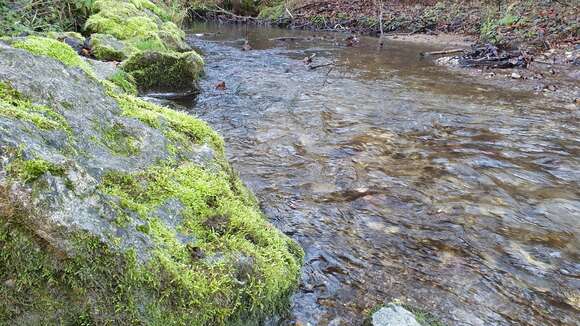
column 444, row 52
column 287, row 38
column 229, row 13
column 321, row 65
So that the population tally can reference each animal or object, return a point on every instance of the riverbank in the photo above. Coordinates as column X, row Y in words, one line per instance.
column 532, row 45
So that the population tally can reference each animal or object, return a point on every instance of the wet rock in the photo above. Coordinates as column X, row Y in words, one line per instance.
column 394, row 315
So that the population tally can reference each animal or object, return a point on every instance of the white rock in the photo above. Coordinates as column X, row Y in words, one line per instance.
column 394, row 315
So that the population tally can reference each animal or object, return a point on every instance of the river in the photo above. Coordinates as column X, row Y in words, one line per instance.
column 401, row 179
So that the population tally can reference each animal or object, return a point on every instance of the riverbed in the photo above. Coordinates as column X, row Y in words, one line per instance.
column 401, row 179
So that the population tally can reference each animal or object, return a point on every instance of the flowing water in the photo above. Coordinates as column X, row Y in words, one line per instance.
column 401, row 180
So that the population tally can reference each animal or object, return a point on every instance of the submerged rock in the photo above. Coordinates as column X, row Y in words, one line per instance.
column 108, row 205
column 394, row 315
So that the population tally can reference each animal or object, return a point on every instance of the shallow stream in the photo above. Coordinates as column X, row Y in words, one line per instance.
column 402, row 180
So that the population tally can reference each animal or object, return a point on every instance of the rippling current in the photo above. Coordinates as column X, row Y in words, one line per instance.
column 401, row 180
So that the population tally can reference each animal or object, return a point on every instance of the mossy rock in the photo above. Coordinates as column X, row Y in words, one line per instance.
column 107, row 48
column 78, row 37
column 116, row 211
column 137, row 23
column 155, row 70
column 52, row 48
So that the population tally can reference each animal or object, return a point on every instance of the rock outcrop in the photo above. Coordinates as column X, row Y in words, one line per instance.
column 115, row 211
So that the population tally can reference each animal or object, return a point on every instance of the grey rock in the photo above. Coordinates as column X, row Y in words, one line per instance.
column 394, row 315
column 82, row 102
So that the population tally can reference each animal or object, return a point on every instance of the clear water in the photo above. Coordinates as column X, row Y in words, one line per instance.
column 401, row 180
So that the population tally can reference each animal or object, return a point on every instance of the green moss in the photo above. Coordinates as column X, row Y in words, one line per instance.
column 55, row 49
column 146, row 4
column 124, row 81
column 30, row 170
column 62, row 35
column 244, row 266
column 119, row 141
column 158, row 70
column 177, row 125
column 107, row 48
column 14, row 105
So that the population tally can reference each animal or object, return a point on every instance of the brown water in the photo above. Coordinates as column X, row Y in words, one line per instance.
column 402, row 180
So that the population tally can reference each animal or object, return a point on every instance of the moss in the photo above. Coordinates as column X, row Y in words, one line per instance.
column 55, row 49
column 247, row 267
column 138, row 23
column 62, row 35
column 124, row 81
column 146, row 4
column 30, row 170
column 107, row 48
column 157, row 70
column 14, row 105
column 175, row 125
column 117, row 139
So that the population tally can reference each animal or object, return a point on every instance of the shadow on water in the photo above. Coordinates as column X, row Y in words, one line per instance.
column 400, row 179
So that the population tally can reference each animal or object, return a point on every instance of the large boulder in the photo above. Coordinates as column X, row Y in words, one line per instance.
column 115, row 211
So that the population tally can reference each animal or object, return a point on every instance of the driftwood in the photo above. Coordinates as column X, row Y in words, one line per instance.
column 444, row 52
column 490, row 56
column 313, row 67
column 287, row 38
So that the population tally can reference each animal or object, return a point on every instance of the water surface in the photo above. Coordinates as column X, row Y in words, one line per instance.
column 401, row 180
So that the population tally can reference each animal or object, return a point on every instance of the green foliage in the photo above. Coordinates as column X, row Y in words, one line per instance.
column 424, row 318
column 14, row 105
column 272, row 13
column 28, row 16
column 55, row 49
column 318, row 20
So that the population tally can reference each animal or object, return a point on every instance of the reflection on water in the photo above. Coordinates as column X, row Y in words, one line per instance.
column 402, row 180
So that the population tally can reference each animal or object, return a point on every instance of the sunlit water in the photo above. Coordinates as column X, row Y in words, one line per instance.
column 402, row 180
